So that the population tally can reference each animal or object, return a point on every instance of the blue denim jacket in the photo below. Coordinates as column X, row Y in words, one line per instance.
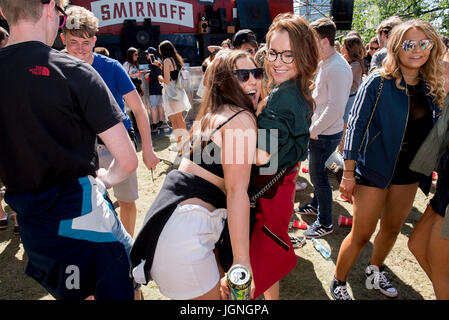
column 376, row 158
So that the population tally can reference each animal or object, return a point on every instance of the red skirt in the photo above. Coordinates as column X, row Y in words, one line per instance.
column 271, row 252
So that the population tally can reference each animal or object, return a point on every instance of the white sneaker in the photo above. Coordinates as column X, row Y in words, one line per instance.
column 376, row 279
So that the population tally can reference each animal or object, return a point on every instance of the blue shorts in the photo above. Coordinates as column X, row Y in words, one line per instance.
column 75, row 243
column 155, row 100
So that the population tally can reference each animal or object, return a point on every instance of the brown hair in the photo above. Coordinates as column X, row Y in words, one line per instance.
column 130, row 56
column 102, row 50
column 80, row 23
column 16, row 10
column 388, row 24
column 222, row 88
column 168, row 50
column 431, row 72
column 325, row 28
column 356, row 51
column 302, row 39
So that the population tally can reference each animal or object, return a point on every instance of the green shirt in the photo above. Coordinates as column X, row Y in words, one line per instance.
column 288, row 112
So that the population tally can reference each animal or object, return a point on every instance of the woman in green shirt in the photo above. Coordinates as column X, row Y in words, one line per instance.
column 284, row 136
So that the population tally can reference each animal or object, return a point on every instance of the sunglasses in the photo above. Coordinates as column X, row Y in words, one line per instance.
column 410, row 45
column 62, row 16
column 373, row 48
column 243, row 74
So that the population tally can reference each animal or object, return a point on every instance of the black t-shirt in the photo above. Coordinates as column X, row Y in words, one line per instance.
column 52, row 106
column 154, row 87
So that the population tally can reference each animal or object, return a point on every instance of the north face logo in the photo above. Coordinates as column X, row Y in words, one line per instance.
column 40, row 71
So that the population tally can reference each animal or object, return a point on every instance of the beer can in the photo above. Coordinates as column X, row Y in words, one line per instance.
column 239, row 283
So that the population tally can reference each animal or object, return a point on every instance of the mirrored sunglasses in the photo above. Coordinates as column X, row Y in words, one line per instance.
column 243, row 74
column 409, row 45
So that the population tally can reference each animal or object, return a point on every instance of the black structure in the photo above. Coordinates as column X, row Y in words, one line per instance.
column 341, row 13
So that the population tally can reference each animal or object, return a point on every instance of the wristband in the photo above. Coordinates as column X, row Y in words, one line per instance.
column 347, row 178
column 348, row 170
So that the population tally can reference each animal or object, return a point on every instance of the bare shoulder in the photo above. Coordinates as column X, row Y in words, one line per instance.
column 168, row 63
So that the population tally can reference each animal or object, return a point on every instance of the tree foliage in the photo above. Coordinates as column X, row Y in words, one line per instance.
column 369, row 13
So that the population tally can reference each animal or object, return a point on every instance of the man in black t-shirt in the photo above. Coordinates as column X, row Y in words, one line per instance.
column 155, row 89
column 53, row 107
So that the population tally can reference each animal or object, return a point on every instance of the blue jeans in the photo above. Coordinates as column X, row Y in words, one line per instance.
column 319, row 151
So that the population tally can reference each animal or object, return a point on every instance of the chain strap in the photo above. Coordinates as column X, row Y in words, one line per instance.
column 252, row 201
column 372, row 113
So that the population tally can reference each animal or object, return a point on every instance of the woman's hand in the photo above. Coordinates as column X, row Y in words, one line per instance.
column 261, row 105
column 224, row 289
column 347, row 186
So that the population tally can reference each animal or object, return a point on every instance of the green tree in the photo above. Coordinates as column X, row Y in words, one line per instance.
column 369, row 13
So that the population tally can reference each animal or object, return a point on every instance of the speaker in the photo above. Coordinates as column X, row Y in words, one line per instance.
column 114, row 45
column 203, row 27
column 341, row 13
column 140, row 36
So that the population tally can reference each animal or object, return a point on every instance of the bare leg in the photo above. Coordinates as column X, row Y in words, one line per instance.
column 419, row 239
column 128, row 212
column 397, row 208
column 368, row 204
column 438, row 257
column 213, row 294
column 273, row 292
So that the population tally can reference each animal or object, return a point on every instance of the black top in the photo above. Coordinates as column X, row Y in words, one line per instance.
column 154, row 87
column 208, row 156
column 419, row 124
column 53, row 105
column 174, row 75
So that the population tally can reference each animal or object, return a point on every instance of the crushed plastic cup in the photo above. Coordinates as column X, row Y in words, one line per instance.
column 300, row 225
column 344, row 221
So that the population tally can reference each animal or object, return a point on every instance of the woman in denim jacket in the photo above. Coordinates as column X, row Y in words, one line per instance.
column 393, row 112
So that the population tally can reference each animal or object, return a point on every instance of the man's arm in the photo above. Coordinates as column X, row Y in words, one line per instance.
column 122, row 150
column 135, row 103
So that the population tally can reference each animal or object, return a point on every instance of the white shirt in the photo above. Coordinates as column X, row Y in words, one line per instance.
column 332, row 86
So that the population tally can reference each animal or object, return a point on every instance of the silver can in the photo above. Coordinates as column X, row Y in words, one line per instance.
column 239, row 282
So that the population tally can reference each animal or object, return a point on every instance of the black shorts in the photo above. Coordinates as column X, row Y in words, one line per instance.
column 440, row 200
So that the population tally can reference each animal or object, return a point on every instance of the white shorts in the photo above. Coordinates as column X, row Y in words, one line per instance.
column 127, row 190
column 184, row 265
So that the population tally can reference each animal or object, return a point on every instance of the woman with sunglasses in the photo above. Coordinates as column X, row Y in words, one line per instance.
column 393, row 112
column 131, row 65
column 285, row 123
column 177, row 242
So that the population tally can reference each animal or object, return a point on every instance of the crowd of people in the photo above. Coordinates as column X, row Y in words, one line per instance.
column 382, row 107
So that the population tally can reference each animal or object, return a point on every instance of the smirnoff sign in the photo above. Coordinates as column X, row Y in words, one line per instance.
column 111, row 12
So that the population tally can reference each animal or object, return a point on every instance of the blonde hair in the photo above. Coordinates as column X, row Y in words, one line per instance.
column 80, row 22
column 431, row 72
column 303, row 41
column 16, row 10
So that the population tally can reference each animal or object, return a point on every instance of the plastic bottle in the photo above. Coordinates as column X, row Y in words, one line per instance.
column 321, row 248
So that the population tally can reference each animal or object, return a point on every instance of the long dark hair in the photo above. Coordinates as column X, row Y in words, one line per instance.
column 129, row 56
column 354, row 46
column 222, row 88
column 168, row 50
